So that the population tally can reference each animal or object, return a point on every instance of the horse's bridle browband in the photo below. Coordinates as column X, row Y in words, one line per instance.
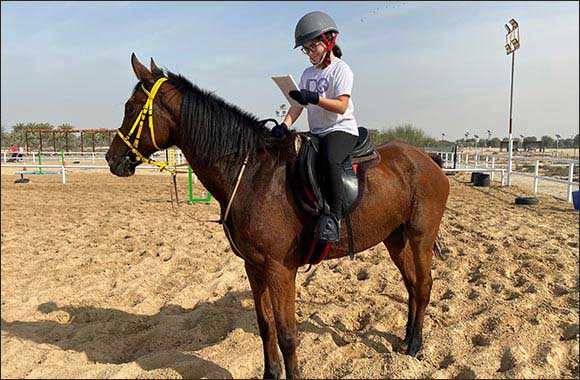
column 146, row 111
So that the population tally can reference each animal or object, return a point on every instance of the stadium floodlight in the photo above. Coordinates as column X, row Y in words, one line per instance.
column 512, row 43
column 281, row 111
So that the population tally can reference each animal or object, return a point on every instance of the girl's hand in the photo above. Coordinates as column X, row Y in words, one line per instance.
column 280, row 131
column 304, row 97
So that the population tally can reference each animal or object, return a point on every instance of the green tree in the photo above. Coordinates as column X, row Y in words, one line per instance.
column 548, row 141
column 408, row 134
column 494, row 142
column 470, row 142
column 5, row 137
column 17, row 134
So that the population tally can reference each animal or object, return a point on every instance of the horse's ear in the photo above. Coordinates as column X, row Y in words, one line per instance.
column 154, row 69
column 142, row 72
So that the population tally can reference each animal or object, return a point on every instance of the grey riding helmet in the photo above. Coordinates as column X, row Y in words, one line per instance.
column 312, row 25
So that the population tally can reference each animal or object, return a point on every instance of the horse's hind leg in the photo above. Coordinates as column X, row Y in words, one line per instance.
column 421, row 240
column 266, row 324
column 401, row 254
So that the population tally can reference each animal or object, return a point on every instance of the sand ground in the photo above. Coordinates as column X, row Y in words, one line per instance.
column 103, row 278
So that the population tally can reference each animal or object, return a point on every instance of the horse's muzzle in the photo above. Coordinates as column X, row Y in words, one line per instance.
column 123, row 167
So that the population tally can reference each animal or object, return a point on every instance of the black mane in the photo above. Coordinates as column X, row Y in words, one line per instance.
column 215, row 128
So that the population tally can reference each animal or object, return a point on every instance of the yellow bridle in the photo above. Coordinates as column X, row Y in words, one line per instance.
column 146, row 111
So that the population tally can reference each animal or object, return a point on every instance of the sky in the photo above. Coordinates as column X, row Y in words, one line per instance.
column 440, row 66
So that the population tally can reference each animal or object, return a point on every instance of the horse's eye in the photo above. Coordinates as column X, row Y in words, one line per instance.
column 129, row 109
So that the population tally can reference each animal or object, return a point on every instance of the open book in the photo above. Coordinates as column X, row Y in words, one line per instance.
column 286, row 84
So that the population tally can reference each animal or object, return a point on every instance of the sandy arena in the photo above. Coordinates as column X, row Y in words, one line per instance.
column 103, row 278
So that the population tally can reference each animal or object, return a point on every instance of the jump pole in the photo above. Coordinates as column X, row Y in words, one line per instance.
column 40, row 161
column 63, row 172
column 193, row 200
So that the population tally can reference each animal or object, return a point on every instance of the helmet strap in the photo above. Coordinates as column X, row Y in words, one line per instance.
column 322, row 59
column 329, row 46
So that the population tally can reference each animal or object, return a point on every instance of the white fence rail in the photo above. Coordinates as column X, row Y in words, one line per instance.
column 93, row 157
column 476, row 162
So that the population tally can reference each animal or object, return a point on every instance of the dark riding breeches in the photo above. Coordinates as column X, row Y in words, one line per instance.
column 334, row 149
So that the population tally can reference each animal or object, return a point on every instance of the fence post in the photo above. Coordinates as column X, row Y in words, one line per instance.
column 63, row 172
column 502, row 182
column 486, row 162
column 40, row 161
column 536, row 173
column 33, row 158
column 570, row 178
column 466, row 160
column 492, row 168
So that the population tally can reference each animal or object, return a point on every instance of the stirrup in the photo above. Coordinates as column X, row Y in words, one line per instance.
column 328, row 229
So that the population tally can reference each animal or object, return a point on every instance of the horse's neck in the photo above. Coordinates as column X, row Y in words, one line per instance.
column 220, row 180
column 216, row 180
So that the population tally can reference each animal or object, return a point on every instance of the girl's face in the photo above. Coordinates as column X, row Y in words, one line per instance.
column 315, row 50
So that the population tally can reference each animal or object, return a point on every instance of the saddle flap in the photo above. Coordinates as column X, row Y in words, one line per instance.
column 311, row 181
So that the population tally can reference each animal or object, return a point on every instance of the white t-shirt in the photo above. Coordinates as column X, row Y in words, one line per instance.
column 334, row 80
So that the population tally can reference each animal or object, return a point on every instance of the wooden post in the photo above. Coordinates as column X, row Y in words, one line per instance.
column 536, row 173
column 53, row 141
column 40, row 137
column 93, row 142
column 66, row 141
column 26, row 140
column 81, row 142
column 570, row 178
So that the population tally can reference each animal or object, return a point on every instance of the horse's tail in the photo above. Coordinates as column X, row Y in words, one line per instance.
column 438, row 160
column 437, row 246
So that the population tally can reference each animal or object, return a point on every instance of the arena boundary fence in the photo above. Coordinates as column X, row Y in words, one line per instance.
column 476, row 162
column 37, row 162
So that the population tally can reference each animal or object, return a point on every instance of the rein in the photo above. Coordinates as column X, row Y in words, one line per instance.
column 225, row 217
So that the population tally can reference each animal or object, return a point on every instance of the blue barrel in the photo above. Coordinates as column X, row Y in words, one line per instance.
column 576, row 199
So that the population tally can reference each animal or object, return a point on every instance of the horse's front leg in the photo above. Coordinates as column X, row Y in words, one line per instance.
column 282, row 286
column 266, row 324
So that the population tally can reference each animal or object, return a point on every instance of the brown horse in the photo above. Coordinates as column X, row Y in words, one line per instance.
column 402, row 206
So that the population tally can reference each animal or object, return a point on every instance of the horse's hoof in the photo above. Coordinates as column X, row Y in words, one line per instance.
column 413, row 349
column 270, row 375
column 402, row 347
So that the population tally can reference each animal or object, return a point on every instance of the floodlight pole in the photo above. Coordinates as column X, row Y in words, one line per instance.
column 512, row 51
column 511, row 137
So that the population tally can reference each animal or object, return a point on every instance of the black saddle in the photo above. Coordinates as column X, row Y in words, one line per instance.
column 311, row 179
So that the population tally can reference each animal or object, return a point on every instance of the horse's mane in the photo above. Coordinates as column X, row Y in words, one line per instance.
column 215, row 128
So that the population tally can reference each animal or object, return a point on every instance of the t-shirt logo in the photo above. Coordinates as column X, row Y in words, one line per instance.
column 317, row 85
